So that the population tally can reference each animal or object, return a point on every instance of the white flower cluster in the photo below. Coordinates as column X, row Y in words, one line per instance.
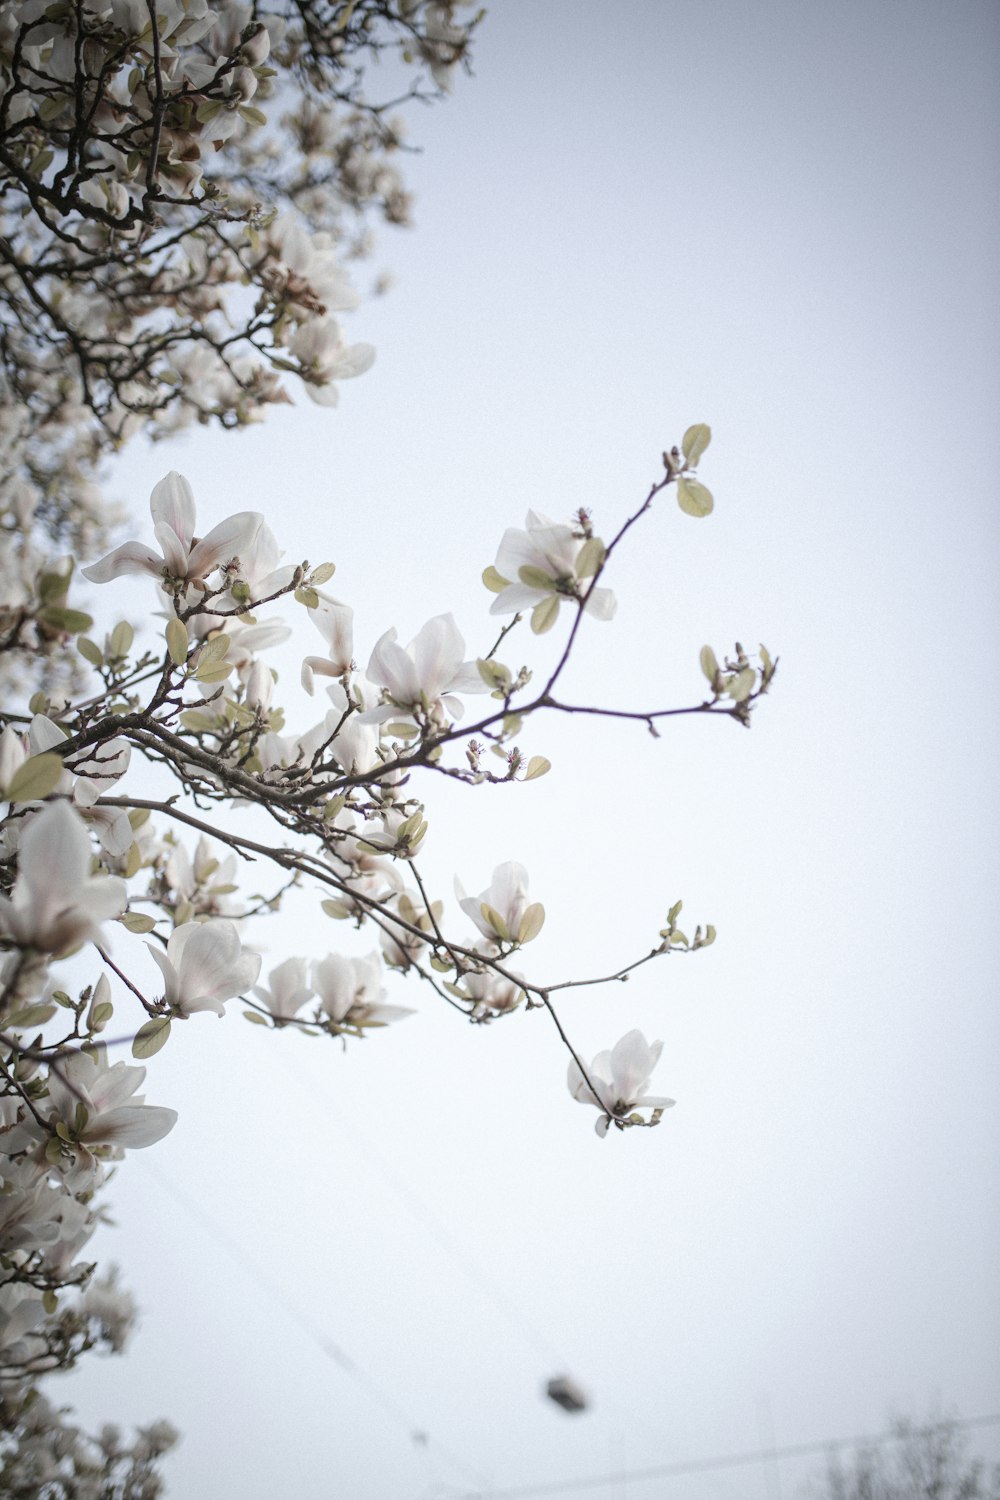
column 147, row 180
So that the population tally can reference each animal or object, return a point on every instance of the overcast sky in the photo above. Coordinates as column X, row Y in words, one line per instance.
column 778, row 218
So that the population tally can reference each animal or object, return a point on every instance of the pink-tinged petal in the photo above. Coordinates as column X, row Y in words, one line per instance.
column 517, row 550
column 515, row 597
column 602, row 604
column 632, row 1062
column 233, row 537
column 335, row 623
column 133, row 557
column 394, row 669
column 388, row 1013
column 172, row 506
column 323, row 395
column 170, row 984
column 438, row 652
column 133, row 1125
column 354, row 360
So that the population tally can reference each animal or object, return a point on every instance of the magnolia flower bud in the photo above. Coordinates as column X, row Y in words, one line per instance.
column 244, row 83
column 260, row 686
column 256, row 47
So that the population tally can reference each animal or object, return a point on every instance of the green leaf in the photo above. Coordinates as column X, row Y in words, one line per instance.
column 36, row 778
column 50, row 1301
column 151, row 1037
column 101, row 1014
column 90, row 651
column 401, row 730
column 534, row 578
column 213, row 671
column 198, row 722
column 336, row 909
column 177, row 642
column 214, row 650
column 709, row 937
column 38, row 703
column 493, row 919
column 493, row 673
column 30, row 1016
column 741, row 686
column 251, row 115
column 495, row 581
column 590, row 557
column 544, row 615
column 531, row 922
column 121, row 640
column 323, row 573
column 693, row 498
column 255, row 1016
column 674, row 912
column 308, row 597
column 138, row 921
column 70, row 620
column 133, row 861
column 709, row 664
column 442, row 965
column 538, row 765
column 695, row 441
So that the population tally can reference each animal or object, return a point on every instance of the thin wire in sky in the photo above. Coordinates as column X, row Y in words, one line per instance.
column 704, row 1465
column 334, row 1351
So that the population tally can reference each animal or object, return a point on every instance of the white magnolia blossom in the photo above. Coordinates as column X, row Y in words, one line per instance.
column 424, row 677
column 287, row 989
column 504, row 910
column 350, row 991
column 183, row 556
column 620, row 1078
column 56, row 903
column 492, row 994
column 541, row 563
column 204, row 966
column 335, row 622
column 97, row 1102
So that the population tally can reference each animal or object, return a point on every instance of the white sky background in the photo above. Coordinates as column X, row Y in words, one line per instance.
column 776, row 218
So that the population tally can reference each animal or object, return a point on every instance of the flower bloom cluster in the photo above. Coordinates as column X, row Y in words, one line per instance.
column 161, row 173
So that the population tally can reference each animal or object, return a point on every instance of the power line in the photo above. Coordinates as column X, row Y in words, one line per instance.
column 328, row 1346
column 703, row 1465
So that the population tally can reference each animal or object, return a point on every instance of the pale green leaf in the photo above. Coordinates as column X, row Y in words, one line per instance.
column 36, row 778
column 493, row 919
column 531, row 922
column 121, row 640
column 590, row 557
column 90, row 651
column 693, row 498
column 138, row 921
column 535, row 578
column 255, row 1016
column 494, row 581
column 177, row 642
column 545, row 614
column 709, row 663
column 323, row 573
column 695, row 441
column 151, row 1037
column 29, row 1017
column 538, row 765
